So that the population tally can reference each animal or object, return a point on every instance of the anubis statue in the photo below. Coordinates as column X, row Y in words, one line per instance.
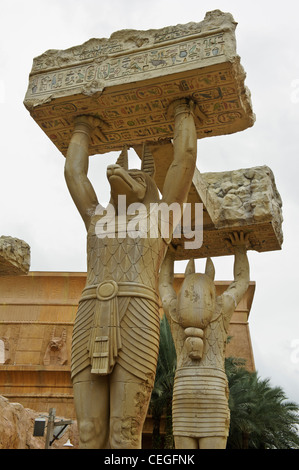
column 116, row 333
column 199, row 321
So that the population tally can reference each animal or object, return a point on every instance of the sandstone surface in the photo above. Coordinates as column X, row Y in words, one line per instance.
column 244, row 199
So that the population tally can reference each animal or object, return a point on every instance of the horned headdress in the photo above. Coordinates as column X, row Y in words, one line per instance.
column 209, row 269
column 147, row 161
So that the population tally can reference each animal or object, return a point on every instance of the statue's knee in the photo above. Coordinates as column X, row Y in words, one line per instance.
column 115, row 433
column 87, row 430
column 93, row 433
column 124, row 434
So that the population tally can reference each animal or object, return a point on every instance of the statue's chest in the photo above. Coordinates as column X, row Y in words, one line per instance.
column 123, row 255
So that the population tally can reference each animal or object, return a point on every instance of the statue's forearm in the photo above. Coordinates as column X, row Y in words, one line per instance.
column 76, row 169
column 77, row 153
column 241, row 266
column 166, row 277
column 179, row 176
column 234, row 293
column 184, row 139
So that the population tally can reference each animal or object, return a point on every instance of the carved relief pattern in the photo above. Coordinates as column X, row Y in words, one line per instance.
column 127, row 64
column 130, row 79
column 56, row 352
column 124, row 66
column 138, row 113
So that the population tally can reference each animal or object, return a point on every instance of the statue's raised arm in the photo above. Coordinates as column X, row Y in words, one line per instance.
column 76, row 168
column 234, row 293
column 180, row 173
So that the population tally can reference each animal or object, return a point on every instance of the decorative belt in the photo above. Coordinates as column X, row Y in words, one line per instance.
column 107, row 290
column 105, row 339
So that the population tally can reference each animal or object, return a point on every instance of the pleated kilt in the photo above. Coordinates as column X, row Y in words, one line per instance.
column 200, row 403
column 139, row 330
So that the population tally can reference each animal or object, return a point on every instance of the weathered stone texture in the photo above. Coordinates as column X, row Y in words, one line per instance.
column 130, row 79
column 244, row 199
column 14, row 256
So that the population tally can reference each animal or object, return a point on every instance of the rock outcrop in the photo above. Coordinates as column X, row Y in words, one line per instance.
column 17, row 424
column 14, row 256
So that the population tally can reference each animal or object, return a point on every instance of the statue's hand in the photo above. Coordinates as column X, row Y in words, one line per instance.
column 89, row 120
column 186, row 106
column 180, row 105
column 239, row 240
column 94, row 125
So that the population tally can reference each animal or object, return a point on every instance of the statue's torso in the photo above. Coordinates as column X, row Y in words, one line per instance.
column 214, row 339
column 201, row 388
column 129, row 262
column 123, row 258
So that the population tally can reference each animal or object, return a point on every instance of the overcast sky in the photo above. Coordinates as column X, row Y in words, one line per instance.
column 35, row 203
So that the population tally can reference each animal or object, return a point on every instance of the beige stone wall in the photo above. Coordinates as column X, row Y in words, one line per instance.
column 34, row 309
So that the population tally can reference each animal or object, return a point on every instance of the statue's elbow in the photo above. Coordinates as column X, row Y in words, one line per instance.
column 68, row 172
column 73, row 174
column 191, row 154
column 243, row 284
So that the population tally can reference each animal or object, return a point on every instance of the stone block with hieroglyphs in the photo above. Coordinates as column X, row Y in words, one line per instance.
column 130, row 79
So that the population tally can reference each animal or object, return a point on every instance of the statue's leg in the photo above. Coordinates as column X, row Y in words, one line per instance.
column 130, row 398
column 212, row 443
column 183, row 442
column 91, row 397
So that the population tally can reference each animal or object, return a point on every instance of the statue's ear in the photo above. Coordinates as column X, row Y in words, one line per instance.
column 123, row 158
column 190, row 268
column 210, row 269
column 148, row 163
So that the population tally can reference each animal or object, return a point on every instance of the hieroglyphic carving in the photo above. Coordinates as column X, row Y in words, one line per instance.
column 208, row 33
column 129, row 65
column 136, row 113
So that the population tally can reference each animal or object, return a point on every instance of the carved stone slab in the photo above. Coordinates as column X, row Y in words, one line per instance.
column 130, row 79
column 245, row 199
column 14, row 256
